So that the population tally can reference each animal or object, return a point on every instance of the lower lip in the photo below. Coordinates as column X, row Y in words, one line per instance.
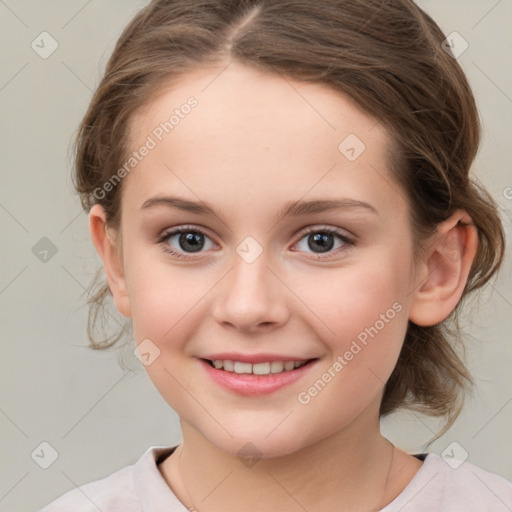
column 253, row 385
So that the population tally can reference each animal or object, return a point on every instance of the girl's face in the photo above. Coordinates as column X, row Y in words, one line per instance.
column 249, row 283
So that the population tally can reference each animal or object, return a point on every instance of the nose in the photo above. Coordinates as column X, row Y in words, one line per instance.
column 251, row 297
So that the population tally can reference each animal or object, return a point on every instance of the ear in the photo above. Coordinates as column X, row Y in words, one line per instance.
column 444, row 269
column 110, row 252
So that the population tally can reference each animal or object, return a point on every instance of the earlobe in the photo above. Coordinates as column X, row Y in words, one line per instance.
column 444, row 270
column 110, row 253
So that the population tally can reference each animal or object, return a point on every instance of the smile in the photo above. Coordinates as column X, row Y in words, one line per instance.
column 256, row 379
column 264, row 368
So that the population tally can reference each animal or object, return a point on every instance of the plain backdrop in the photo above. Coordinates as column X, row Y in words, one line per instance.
column 96, row 416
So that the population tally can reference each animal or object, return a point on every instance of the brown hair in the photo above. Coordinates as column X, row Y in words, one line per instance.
column 386, row 55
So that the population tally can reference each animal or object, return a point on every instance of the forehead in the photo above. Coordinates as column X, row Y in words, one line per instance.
column 258, row 133
column 237, row 96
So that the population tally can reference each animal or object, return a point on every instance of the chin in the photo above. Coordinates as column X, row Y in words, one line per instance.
column 255, row 442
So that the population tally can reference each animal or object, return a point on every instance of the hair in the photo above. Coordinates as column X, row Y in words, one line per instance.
column 387, row 55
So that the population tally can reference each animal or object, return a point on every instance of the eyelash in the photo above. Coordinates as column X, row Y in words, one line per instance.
column 347, row 242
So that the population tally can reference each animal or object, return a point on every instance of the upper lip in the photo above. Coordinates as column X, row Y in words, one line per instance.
column 254, row 358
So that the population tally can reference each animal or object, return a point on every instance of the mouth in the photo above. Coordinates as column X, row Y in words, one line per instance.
column 256, row 379
column 266, row 368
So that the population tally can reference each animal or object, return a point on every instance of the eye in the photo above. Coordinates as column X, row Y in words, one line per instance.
column 323, row 240
column 184, row 240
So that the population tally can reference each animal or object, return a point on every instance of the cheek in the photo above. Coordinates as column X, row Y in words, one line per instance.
column 365, row 308
column 350, row 299
column 161, row 295
column 167, row 310
column 369, row 319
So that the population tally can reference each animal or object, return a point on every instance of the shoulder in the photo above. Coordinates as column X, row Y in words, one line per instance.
column 106, row 494
column 117, row 491
column 473, row 486
column 455, row 486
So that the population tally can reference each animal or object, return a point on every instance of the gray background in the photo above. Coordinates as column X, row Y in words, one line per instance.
column 98, row 416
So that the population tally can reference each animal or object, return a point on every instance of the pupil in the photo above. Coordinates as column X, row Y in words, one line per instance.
column 194, row 240
column 324, row 240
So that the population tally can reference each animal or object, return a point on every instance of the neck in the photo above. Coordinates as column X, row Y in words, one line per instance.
column 351, row 470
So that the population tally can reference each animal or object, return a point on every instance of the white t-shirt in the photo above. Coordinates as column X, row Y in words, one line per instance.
column 436, row 487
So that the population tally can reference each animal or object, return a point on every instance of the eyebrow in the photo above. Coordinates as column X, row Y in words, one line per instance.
column 290, row 209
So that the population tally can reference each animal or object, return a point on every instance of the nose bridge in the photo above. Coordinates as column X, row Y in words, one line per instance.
column 251, row 294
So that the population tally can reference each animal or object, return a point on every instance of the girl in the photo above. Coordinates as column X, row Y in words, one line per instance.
column 279, row 193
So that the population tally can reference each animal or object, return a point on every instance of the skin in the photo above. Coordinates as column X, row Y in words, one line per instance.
column 253, row 143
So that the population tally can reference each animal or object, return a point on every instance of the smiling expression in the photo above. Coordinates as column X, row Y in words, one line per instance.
column 295, row 238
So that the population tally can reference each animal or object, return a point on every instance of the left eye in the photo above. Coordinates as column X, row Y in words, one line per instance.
column 323, row 240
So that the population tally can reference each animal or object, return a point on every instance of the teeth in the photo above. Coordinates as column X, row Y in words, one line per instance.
column 243, row 367
column 261, row 368
column 258, row 368
column 276, row 366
